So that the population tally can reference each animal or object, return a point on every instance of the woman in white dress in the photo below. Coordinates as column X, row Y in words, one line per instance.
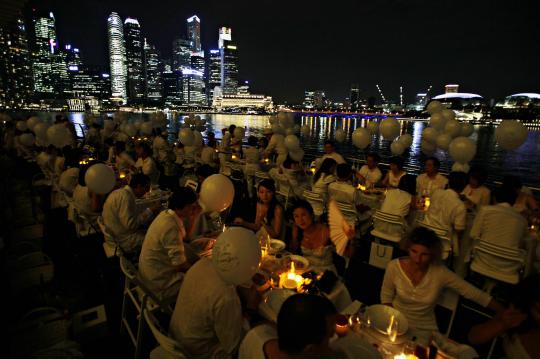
column 391, row 180
column 324, row 176
column 476, row 193
column 519, row 325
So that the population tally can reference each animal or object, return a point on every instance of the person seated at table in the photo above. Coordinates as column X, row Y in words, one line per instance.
column 476, row 193
column 330, row 152
column 121, row 217
column 291, row 171
column 369, row 174
column 161, row 147
column 393, row 176
column 122, row 159
column 145, row 163
column 209, row 155
column 324, row 176
column 85, row 201
column 305, row 324
column 525, row 203
column 163, row 260
column 447, row 210
column 262, row 144
column 202, row 173
column 500, row 224
column 70, row 176
column 311, row 239
column 519, row 325
column 342, row 190
column 207, row 318
column 252, row 157
column 431, row 179
column 399, row 201
column 413, row 284
column 267, row 214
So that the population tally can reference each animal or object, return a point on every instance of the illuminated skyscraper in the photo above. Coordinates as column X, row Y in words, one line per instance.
column 193, row 87
column 43, row 54
column 117, row 58
column 355, row 97
column 229, row 68
column 213, row 74
column 224, row 36
column 153, row 70
column 181, row 54
column 134, row 56
column 194, row 33
column 172, row 87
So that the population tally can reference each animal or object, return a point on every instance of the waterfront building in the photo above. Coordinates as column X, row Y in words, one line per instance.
column 242, row 102
column 213, row 73
column 229, row 68
column 181, row 54
column 244, row 88
column 451, row 88
column 117, row 59
column 524, row 100
column 354, row 97
column 134, row 57
column 319, row 99
column 153, row 70
column 193, row 87
column 43, row 54
column 16, row 85
column 172, row 88
column 458, row 100
column 194, row 33
column 309, row 99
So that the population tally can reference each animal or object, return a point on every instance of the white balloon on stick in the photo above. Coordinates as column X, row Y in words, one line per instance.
column 373, row 126
column 100, row 178
column 460, row 167
column 306, row 130
column 361, row 138
column 406, row 140
column 510, row 134
column 453, row 128
column 437, row 121
column 217, row 193
column 462, row 149
column 443, row 141
column 430, row 134
column 27, row 139
column 297, row 155
column 389, row 128
column 397, row 148
column 340, row 135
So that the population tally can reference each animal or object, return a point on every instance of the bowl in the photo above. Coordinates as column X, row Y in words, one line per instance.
column 301, row 264
column 380, row 316
column 276, row 246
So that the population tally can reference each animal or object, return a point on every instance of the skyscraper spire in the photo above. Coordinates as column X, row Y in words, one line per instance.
column 117, row 58
column 194, row 33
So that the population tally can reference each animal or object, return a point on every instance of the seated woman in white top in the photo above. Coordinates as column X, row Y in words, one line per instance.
column 305, row 324
column 266, row 214
column 311, row 239
column 145, row 163
column 519, row 325
column 400, row 200
column 369, row 174
column 324, row 176
column 525, row 203
column 476, row 193
column 391, row 180
column 414, row 284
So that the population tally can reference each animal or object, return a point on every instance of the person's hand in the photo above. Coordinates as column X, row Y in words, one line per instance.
column 511, row 318
column 239, row 221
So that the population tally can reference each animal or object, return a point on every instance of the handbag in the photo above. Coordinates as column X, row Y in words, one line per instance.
column 380, row 255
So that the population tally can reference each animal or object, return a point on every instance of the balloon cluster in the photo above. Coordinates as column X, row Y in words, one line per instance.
column 284, row 137
column 448, row 134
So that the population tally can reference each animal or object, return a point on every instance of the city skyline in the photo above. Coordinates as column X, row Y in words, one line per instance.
column 274, row 66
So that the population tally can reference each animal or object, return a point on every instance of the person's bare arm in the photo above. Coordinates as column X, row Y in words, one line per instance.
column 508, row 319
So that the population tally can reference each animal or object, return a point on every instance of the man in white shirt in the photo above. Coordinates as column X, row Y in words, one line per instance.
column 207, row 317
column 370, row 174
column 342, row 190
column 500, row 224
column 145, row 163
column 209, row 155
column 161, row 147
column 447, row 210
column 330, row 152
column 163, row 261
column 121, row 217
column 431, row 179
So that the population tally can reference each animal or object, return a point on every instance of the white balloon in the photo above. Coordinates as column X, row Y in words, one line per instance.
column 427, row 147
column 197, row 118
column 146, row 128
column 430, row 134
column 217, row 193
column 32, row 121
column 129, row 129
column 467, row 129
column 406, row 140
column 278, row 129
column 373, row 126
column 453, row 128
column 460, row 167
column 361, row 138
column 448, row 114
column 289, row 131
column 276, row 140
column 186, row 137
column 397, row 148
column 100, row 178
column 297, row 155
column 239, row 132
column 443, row 141
column 22, row 126
column 389, row 128
column 292, row 142
column 273, row 120
column 340, row 135
column 434, row 106
column 40, row 130
column 462, row 149
column 437, row 121
column 236, row 255
column 58, row 135
column 510, row 134
column 306, row 130
column 197, row 139
column 27, row 139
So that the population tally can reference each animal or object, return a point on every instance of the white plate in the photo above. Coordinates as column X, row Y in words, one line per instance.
column 276, row 297
column 304, row 263
column 276, row 246
column 355, row 347
column 380, row 318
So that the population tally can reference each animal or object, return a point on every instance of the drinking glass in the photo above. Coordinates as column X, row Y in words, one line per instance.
column 392, row 331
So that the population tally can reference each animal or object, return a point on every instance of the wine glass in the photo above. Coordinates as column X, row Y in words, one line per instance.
column 392, row 330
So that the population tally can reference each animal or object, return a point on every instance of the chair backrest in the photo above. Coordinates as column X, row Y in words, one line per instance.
column 498, row 262
column 191, row 184
column 449, row 300
column 284, row 188
column 168, row 344
column 128, row 268
column 341, row 196
column 316, row 200
column 387, row 217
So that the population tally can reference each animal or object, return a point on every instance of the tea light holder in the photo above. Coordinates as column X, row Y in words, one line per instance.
column 342, row 325
column 427, row 202
column 405, row 356
column 361, row 187
column 291, row 280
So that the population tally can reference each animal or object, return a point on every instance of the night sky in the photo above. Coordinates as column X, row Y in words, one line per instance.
column 285, row 47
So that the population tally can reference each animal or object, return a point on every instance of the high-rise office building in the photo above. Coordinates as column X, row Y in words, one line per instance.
column 229, row 69
column 172, row 88
column 309, row 100
column 355, row 97
column 181, row 54
column 43, row 54
column 193, row 87
column 134, row 57
column 224, row 36
column 90, row 82
column 117, row 58
column 16, row 87
column 194, row 33
column 153, row 69
column 213, row 73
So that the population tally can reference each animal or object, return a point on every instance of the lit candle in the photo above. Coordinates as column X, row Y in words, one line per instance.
column 233, row 157
column 405, row 356
column 313, row 170
column 342, row 325
column 361, row 187
column 122, row 175
column 427, row 202
column 267, row 160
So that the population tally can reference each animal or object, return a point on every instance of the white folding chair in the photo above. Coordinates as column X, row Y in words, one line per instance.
column 191, row 184
column 497, row 263
column 444, row 235
column 316, row 200
column 168, row 347
column 284, row 188
column 389, row 227
column 449, row 300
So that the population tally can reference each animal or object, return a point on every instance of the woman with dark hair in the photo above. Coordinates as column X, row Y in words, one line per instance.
column 476, row 193
column 414, row 283
column 525, row 202
column 145, row 163
column 519, row 324
column 310, row 238
column 396, row 172
column 267, row 214
column 324, row 176
column 399, row 201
